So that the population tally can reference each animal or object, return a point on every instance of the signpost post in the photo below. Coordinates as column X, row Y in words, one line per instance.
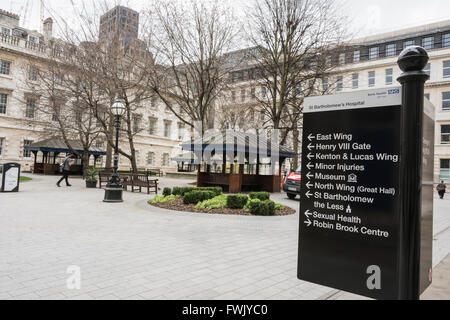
column 360, row 209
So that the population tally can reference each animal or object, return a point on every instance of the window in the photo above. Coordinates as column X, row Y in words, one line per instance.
column 180, row 131
column 446, row 40
column 33, row 39
column 261, row 115
column 427, row 69
column 328, row 61
column 3, row 102
column 445, row 170
column 150, row 158
column 373, row 53
column 79, row 116
column 445, row 134
column 253, row 93
column 99, row 144
column 56, row 112
column 26, row 153
column 30, row 108
column 342, row 58
column 355, row 80
column 391, row 50
column 58, row 78
column 340, row 83
column 5, row 31
column 233, row 96
column 33, row 74
column 153, row 102
column 137, row 123
column 356, row 56
column 408, row 43
column 165, row 160
column 447, row 69
column 2, row 146
column 371, row 78
column 325, row 84
column 427, row 96
column 167, row 125
column 5, row 67
column 446, row 100
column 428, row 43
column 389, row 73
column 243, row 95
column 152, row 126
column 263, row 92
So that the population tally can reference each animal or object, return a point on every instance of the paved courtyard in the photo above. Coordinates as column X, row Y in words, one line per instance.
column 134, row 251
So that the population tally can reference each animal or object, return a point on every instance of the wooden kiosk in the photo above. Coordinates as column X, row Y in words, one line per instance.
column 47, row 153
column 238, row 161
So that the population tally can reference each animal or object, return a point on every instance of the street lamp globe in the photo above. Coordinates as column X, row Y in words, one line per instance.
column 118, row 108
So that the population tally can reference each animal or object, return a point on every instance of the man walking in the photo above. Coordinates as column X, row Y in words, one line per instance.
column 441, row 187
column 64, row 168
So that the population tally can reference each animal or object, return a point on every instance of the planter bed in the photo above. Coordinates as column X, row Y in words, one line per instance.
column 178, row 205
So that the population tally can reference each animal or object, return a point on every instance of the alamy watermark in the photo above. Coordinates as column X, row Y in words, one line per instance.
column 73, row 282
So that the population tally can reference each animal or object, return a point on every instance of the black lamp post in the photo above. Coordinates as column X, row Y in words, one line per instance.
column 114, row 190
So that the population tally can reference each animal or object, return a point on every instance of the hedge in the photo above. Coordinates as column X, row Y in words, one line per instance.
column 260, row 208
column 267, row 208
column 181, row 191
column 237, row 201
column 260, row 195
column 197, row 196
column 167, row 192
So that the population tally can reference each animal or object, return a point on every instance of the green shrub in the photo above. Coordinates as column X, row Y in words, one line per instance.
column 214, row 203
column 267, row 208
column 237, row 201
column 261, row 208
column 278, row 206
column 177, row 191
column 167, row 192
column 183, row 190
column 91, row 175
column 197, row 196
column 260, row 195
column 163, row 199
column 216, row 190
column 252, row 206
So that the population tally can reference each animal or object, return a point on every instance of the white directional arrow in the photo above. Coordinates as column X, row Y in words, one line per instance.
column 309, row 185
column 310, row 166
column 310, row 156
column 309, row 194
column 310, row 175
column 311, row 146
column 308, row 223
column 308, row 214
column 311, row 137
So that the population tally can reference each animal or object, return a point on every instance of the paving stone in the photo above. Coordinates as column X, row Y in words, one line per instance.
column 134, row 251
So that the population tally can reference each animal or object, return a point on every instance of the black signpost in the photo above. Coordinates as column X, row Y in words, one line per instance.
column 360, row 210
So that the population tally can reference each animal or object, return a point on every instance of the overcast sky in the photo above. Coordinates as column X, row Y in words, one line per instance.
column 366, row 16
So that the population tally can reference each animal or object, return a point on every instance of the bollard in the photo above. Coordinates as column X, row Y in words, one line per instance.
column 411, row 61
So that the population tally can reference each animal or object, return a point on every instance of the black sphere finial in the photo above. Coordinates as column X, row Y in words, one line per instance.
column 413, row 58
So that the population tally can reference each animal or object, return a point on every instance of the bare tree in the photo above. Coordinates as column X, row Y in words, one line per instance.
column 191, row 67
column 54, row 100
column 297, row 41
column 102, row 68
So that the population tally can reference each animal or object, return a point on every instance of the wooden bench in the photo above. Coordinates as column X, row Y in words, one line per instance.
column 103, row 177
column 137, row 182
column 156, row 172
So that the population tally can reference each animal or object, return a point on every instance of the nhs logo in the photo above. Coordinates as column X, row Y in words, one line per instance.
column 394, row 91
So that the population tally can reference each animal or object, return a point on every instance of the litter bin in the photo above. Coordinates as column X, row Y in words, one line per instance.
column 9, row 177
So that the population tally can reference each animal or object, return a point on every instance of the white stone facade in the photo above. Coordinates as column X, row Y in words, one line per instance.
column 155, row 147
